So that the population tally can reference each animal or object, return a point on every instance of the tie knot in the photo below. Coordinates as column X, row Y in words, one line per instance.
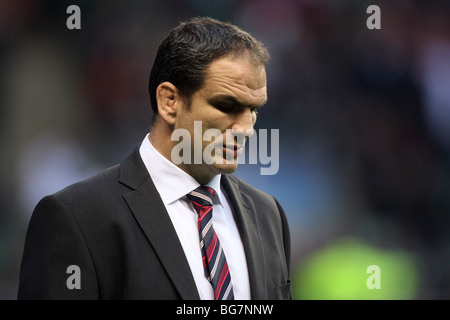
column 203, row 195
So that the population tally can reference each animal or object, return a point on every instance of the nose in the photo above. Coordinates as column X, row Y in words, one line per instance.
column 244, row 122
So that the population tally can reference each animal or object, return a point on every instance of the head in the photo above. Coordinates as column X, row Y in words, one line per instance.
column 209, row 71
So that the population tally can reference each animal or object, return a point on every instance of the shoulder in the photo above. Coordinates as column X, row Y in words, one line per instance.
column 270, row 217
column 251, row 191
column 98, row 197
column 267, row 207
column 95, row 187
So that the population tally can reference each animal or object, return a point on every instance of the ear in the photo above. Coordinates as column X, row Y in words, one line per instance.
column 168, row 100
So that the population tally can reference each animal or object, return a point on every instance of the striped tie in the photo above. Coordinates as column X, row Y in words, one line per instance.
column 214, row 263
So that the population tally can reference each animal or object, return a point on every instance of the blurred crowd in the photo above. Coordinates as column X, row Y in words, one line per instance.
column 363, row 118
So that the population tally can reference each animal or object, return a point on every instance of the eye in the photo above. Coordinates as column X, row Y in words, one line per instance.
column 225, row 107
column 222, row 107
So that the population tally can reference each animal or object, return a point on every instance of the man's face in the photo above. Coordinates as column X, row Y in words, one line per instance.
column 234, row 88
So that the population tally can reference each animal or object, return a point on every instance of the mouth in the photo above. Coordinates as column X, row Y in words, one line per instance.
column 232, row 151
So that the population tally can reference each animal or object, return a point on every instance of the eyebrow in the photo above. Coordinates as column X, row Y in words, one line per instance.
column 234, row 101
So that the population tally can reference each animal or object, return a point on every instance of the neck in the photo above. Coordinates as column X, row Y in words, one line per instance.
column 160, row 138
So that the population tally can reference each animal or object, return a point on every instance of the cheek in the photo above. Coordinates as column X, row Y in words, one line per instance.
column 215, row 119
column 209, row 117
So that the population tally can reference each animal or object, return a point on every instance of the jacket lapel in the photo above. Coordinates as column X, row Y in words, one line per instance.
column 150, row 212
column 247, row 223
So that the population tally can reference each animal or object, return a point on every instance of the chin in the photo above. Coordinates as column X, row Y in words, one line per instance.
column 225, row 168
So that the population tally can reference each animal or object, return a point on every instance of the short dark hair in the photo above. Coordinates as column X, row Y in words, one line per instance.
column 187, row 51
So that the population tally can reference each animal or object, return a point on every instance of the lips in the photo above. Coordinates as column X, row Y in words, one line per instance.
column 234, row 150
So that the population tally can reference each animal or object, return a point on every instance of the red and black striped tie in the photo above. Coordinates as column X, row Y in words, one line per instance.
column 214, row 262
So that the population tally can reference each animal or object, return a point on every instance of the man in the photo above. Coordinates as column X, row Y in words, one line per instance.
column 152, row 229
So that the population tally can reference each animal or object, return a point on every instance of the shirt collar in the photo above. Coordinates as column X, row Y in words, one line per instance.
column 172, row 182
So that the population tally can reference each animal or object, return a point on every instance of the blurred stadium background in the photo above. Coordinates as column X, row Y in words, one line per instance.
column 364, row 120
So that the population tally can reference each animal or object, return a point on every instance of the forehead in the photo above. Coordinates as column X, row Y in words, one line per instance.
column 238, row 77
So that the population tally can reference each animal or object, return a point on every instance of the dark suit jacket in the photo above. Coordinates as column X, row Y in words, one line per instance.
column 115, row 228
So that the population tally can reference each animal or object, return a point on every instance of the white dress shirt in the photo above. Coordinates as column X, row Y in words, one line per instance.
column 173, row 184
